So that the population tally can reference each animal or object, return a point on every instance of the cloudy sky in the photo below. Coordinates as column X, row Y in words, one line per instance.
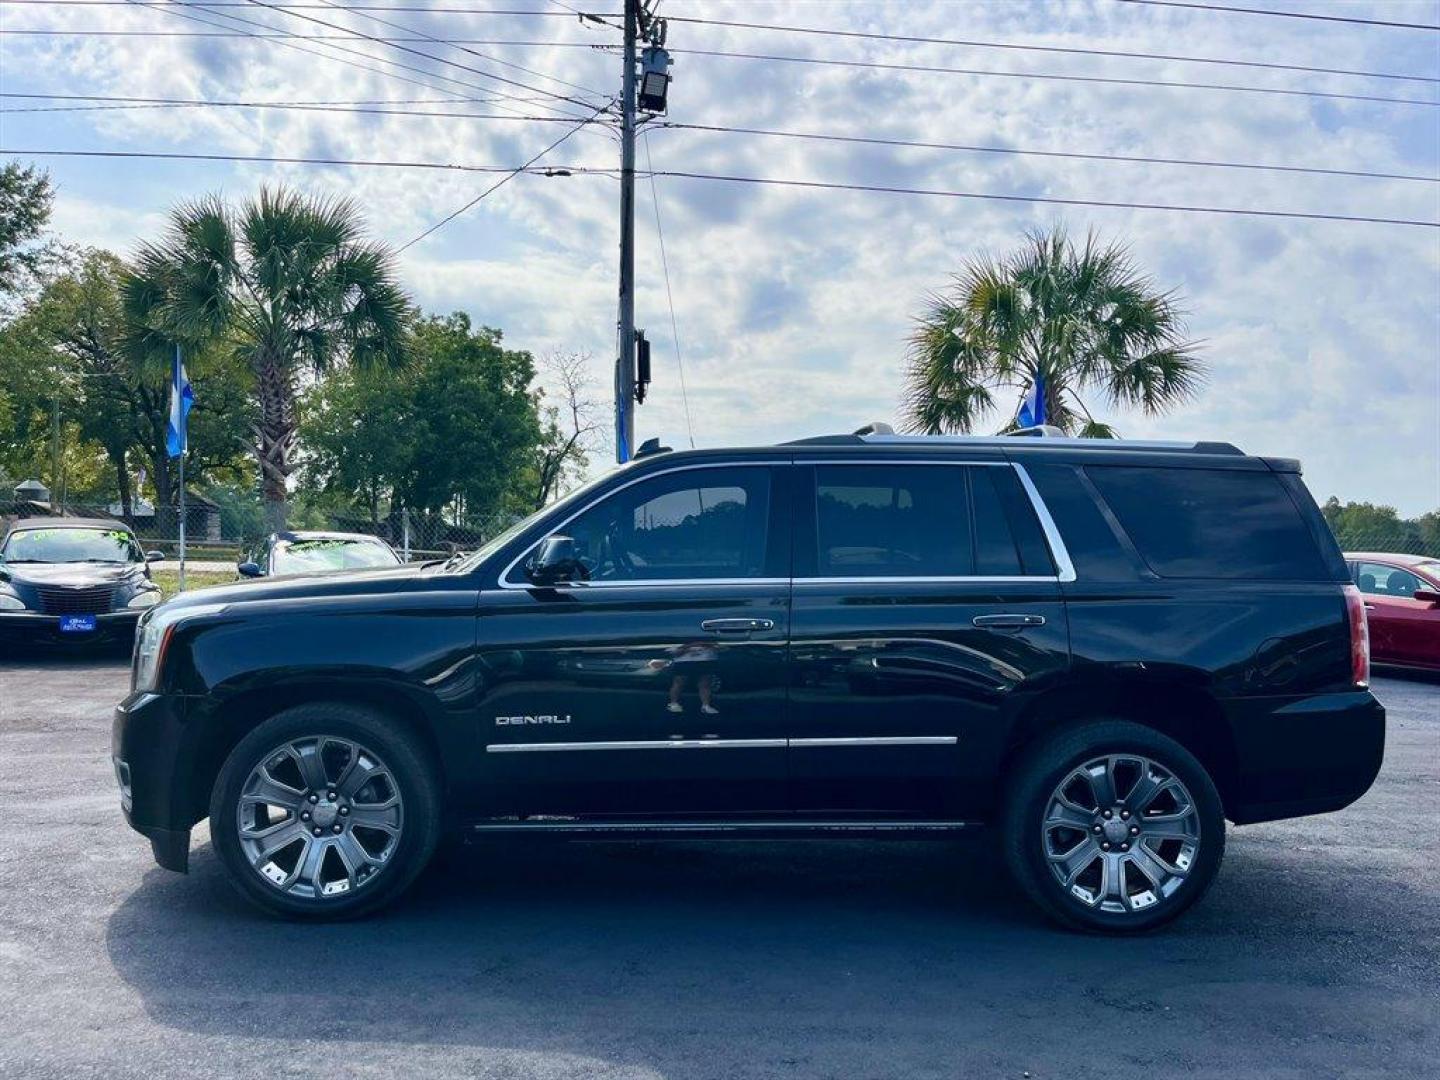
column 793, row 305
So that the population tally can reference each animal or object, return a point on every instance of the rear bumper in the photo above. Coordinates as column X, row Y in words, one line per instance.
column 1301, row 756
column 34, row 628
column 145, row 742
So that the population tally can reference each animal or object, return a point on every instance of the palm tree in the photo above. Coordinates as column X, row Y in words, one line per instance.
column 286, row 282
column 1083, row 318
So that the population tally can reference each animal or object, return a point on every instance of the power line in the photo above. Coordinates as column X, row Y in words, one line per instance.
column 1302, row 68
column 414, row 8
column 998, row 197
column 583, row 170
column 386, row 108
column 937, row 69
column 170, row 9
column 257, row 104
column 430, row 56
column 336, row 107
column 669, row 295
column 484, row 56
column 1076, row 155
column 1283, row 14
column 823, row 31
column 498, row 184
column 363, row 108
column 300, row 48
column 291, row 36
column 550, row 170
column 1057, row 77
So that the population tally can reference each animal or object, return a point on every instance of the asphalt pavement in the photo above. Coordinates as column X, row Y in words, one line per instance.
column 1317, row 953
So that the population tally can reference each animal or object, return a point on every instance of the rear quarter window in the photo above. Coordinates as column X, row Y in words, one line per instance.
column 1211, row 523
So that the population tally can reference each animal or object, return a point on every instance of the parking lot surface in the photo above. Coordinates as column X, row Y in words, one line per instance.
column 1317, row 953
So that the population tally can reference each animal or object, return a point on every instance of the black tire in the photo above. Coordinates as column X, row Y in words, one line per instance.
column 1029, row 797
column 415, row 781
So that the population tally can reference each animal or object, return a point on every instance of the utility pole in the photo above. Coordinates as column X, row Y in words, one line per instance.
column 625, row 354
column 640, row 90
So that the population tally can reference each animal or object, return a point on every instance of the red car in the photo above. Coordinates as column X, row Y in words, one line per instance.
column 1402, row 602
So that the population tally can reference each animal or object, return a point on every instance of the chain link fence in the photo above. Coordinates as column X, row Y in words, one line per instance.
column 1389, row 541
column 224, row 530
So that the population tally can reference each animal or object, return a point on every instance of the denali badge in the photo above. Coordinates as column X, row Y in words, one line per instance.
column 501, row 721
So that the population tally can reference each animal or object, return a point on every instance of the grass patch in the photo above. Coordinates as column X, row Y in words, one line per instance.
column 169, row 580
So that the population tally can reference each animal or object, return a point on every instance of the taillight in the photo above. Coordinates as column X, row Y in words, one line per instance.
column 1359, row 636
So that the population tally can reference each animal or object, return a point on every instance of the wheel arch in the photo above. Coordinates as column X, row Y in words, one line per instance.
column 1188, row 714
column 239, row 714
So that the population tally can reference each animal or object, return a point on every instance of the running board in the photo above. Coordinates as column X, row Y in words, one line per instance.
column 719, row 830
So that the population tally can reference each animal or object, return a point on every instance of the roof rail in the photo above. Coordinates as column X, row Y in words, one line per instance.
column 1045, row 435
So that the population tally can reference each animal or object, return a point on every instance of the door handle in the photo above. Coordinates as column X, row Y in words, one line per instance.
column 1007, row 622
column 736, row 626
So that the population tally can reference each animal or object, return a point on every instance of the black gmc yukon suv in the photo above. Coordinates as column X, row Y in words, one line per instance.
column 1105, row 649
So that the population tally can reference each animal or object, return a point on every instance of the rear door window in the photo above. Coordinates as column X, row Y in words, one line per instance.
column 1008, row 538
column 1211, row 523
column 924, row 521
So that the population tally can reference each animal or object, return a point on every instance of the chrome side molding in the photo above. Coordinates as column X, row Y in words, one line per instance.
column 723, row 744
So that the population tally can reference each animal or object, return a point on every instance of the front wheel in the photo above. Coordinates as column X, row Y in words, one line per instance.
column 1113, row 827
column 325, row 811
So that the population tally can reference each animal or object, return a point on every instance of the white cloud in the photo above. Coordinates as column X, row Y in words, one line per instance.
column 793, row 306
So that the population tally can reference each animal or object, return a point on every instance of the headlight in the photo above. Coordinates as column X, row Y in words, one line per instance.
column 149, row 598
column 153, row 635
column 9, row 601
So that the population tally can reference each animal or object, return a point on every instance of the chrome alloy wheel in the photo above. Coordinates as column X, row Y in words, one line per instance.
column 320, row 817
column 1121, row 833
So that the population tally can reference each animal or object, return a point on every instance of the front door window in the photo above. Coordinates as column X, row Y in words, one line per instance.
column 696, row 525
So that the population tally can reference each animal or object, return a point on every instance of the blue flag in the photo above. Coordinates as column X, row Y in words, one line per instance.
column 182, row 397
column 1032, row 406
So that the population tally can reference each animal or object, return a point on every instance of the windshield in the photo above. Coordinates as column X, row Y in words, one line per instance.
column 71, row 546
column 495, row 543
column 302, row 556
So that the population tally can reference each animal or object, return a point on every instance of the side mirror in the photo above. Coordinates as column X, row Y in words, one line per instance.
column 249, row 569
column 555, row 562
column 1431, row 596
column 154, row 556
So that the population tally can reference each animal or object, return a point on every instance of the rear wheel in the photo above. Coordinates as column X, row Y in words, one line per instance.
column 325, row 811
column 1112, row 826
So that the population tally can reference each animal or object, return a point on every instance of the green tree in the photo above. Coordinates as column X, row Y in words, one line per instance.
column 26, row 197
column 79, row 326
column 26, row 401
column 1428, row 525
column 475, row 417
column 290, row 287
column 1363, row 526
column 1083, row 317
column 76, row 340
column 356, row 429
column 457, row 432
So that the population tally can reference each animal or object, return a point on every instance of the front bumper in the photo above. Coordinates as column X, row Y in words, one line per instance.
column 146, row 745
column 35, row 628
column 1307, row 755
